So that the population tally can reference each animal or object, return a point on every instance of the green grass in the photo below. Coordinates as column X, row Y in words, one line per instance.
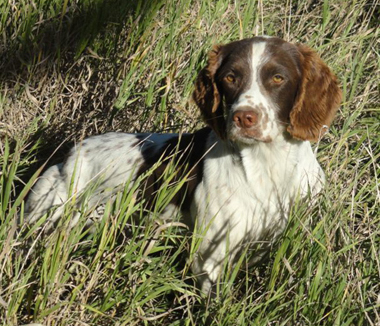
column 69, row 69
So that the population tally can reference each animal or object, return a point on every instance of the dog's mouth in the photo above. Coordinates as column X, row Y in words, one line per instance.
column 248, row 125
column 247, row 135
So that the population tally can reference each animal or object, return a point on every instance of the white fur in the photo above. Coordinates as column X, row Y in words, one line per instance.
column 106, row 161
column 255, row 96
column 245, row 196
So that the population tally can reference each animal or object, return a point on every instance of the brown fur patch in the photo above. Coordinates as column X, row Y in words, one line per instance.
column 318, row 98
column 206, row 94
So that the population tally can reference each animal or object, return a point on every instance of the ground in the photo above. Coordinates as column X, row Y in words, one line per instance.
column 70, row 69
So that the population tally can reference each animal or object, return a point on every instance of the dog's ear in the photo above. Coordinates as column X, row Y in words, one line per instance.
column 207, row 95
column 317, row 100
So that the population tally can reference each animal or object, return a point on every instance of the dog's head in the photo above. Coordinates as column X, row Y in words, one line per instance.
column 256, row 89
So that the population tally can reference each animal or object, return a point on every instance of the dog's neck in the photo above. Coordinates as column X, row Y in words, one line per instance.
column 288, row 163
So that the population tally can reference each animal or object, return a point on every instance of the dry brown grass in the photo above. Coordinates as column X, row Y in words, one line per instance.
column 96, row 66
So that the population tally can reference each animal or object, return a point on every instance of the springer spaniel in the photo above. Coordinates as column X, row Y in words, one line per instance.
column 263, row 99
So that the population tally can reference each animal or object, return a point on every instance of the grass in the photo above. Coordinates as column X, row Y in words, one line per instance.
column 70, row 69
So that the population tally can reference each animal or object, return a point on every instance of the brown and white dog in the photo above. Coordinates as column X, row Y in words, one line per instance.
column 263, row 99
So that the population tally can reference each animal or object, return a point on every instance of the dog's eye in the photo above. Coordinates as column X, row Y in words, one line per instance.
column 278, row 79
column 230, row 78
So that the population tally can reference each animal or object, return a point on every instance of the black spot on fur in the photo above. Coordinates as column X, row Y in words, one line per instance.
column 184, row 153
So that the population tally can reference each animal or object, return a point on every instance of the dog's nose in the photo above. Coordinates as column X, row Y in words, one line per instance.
column 245, row 119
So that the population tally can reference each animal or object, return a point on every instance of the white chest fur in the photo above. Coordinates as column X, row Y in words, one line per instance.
column 245, row 196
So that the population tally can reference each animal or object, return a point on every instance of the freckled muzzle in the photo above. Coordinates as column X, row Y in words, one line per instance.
column 247, row 124
column 246, row 117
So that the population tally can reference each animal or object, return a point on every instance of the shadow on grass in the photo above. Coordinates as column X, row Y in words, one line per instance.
column 88, row 34
column 39, row 43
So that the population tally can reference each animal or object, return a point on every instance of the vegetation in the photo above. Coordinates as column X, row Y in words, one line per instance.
column 74, row 68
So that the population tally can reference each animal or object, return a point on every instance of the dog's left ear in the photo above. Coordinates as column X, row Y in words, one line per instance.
column 318, row 98
column 207, row 95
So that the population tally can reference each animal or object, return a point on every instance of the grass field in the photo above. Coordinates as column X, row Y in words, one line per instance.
column 71, row 68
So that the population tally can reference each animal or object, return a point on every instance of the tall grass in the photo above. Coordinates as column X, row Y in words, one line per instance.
column 70, row 69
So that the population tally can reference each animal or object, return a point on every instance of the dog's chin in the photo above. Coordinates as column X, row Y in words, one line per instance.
column 242, row 137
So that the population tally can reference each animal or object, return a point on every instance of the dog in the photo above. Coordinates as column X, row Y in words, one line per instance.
column 263, row 100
